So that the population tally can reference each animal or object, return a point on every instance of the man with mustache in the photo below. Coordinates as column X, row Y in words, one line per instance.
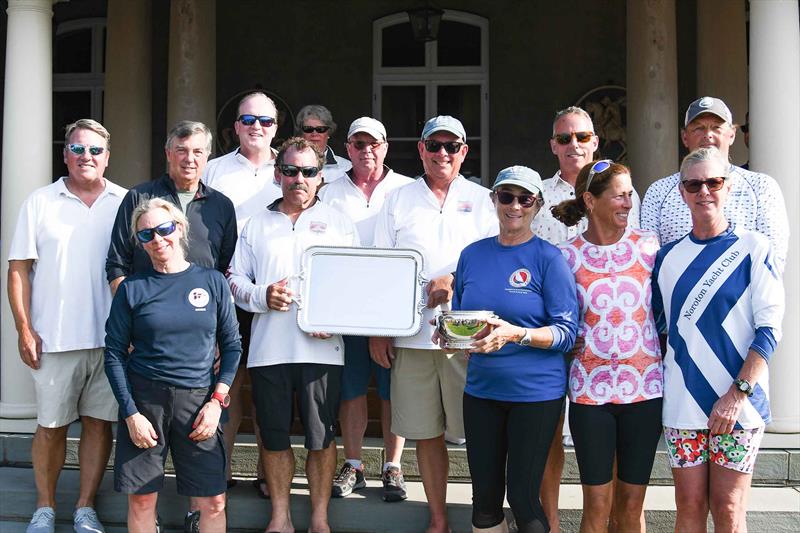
column 284, row 360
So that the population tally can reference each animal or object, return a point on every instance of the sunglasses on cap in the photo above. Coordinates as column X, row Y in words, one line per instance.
column 146, row 235
column 525, row 200
column 80, row 149
column 249, row 120
column 713, row 184
column 583, row 137
column 292, row 171
column 450, row 147
column 361, row 145
column 312, row 129
column 598, row 168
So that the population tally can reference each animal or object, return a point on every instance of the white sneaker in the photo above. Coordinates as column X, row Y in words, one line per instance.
column 454, row 440
column 86, row 521
column 43, row 521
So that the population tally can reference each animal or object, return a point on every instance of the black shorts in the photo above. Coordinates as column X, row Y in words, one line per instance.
column 199, row 466
column 245, row 319
column 318, row 389
column 629, row 432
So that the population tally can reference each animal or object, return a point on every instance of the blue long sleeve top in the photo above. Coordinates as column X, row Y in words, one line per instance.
column 528, row 285
column 173, row 321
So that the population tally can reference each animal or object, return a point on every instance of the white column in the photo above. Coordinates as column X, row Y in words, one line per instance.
column 652, row 82
column 128, row 102
column 192, row 77
column 724, row 76
column 27, row 165
column 774, row 107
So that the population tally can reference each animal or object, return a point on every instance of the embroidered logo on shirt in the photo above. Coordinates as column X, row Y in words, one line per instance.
column 520, row 278
column 199, row 298
column 317, row 227
column 464, row 206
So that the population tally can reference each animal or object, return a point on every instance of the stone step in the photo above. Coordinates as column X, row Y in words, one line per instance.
column 771, row 508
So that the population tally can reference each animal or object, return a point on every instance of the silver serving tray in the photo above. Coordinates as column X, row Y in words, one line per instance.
column 360, row 291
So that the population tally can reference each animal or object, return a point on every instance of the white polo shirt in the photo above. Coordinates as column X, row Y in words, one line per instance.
column 345, row 196
column 270, row 249
column 412, row 218
column 250, row 188
column 68, row 242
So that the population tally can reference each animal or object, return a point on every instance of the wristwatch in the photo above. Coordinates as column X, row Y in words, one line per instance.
column 744, row 386
column 223, row 399
column 526, row 339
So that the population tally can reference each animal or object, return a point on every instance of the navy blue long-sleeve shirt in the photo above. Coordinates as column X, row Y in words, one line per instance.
column 173, row 322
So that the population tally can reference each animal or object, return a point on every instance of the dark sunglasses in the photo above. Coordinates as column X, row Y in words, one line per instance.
column 80, row 149
column 249, row 120
column 450, row 147
column 292, row 171
column 597, row 168
column 525, row 200
column 146, row 235
column 745, row 128
column 312, row 129
column 713, row 184
column 566, row 138
column 361, row 145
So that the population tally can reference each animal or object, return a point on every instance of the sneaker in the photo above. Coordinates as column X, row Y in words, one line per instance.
column 158, row 523
column 347, row 480
column 394, row 486
column 86, row 521
column 191, row 524
column 42, row 521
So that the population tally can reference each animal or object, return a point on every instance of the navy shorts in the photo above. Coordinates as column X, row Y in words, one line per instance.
column 318, row 390
column 199, row 466
column 358, row 367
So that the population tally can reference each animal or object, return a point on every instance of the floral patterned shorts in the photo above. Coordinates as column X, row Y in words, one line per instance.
column 736, row 450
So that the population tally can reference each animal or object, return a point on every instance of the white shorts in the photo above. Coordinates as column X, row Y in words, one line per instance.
column 73, row 384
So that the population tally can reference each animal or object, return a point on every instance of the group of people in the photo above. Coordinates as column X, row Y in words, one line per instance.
column 653, row 317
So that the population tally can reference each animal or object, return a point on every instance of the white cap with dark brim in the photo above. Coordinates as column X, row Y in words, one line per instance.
column 369, row 126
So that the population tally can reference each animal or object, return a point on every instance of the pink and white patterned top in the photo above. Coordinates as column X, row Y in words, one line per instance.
column 617, row 357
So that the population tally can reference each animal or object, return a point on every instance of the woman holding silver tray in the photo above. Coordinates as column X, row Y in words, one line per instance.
column 516, row 377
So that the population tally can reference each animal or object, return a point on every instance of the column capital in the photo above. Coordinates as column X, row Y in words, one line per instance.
column 41, row 6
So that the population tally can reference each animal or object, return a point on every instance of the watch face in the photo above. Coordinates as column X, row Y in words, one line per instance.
column 226, row 401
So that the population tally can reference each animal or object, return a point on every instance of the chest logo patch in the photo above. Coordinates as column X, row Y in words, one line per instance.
column 520, row 278
column 464, row 206
column 317, row 227
column 198, row 297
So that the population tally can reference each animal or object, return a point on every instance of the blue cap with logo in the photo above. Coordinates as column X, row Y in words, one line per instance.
column 444, row 123
column 708, row 104
column 524, row 177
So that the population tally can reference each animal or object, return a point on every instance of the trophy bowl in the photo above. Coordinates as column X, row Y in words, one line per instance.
column 457, row 328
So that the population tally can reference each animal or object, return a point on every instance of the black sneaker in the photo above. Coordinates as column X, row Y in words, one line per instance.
column 394, row 486
column 347, row 480
column 191, row 524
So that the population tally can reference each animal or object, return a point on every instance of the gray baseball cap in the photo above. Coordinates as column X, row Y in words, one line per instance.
column 524, row 177
column 708, row 104
column 444, row 123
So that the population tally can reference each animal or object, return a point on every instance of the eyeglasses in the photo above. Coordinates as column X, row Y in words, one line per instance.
column 566, row 138
column 249, row 120
column 450, row 147
column 312, row 129
column 292, row 171
column 146, row 235
column 713, row 184
column 597, row 168
column 525, row 200
column 360, row 145
column 80, row 149
column 745, row 128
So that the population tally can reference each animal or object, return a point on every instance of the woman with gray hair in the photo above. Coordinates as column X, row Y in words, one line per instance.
column 172, row 315
column 719, row 298
column 315, row 124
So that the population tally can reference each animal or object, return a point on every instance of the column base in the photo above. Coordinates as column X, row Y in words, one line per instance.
column 17, row 410
column 18, row 425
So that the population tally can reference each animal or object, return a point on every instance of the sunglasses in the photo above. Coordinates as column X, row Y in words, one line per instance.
column 292, row 171
column 713, row 184
column 146, row 235
column 597, row 168
column 745, row 128
column 312, row 129
column 525, row 200
column 361, row 145
column 450, row 147
column 249, row 120
column 566, row 138
column 80, row 149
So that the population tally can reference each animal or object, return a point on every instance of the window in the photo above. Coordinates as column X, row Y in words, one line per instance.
column 415, row 81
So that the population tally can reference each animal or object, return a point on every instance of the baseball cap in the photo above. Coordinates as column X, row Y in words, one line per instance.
column 708, row 104
column 367, row 125
column 444, row 123
column 524, row 177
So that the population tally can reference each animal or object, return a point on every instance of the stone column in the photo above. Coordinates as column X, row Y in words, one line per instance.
column 128, row 102
column 724, row 75
column 652, row 82
column 192, row 77
column 775, row 150
column 27, row 165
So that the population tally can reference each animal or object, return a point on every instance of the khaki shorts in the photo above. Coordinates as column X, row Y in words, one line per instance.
column 70, row 385
column 427, row 393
